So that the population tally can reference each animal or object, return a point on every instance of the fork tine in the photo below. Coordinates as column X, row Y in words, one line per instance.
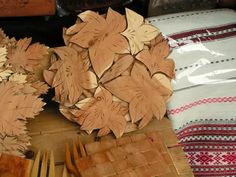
column 43, row 171
column 35, row 169
column 81, row 147
column 69, row 165
column 51, row 166
column 76, row 156
column 64, row 173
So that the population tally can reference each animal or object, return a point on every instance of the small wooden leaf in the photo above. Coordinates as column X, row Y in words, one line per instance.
column 19, row 78
column 155, row 59
column 138, row 32
column 117, row 68
column 25, row 56
column 3, row 56
column 103, row 113
column 5, row 74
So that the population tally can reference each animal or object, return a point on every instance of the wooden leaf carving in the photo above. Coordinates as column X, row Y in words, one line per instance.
column 5, row 74
column 102, row 38
column 7, row 42
column 145, row 96
column 138, row 32
column 48, row 76
column 71, row 77
column 15, row 107
column 26, row 56
column 155, row 59
column 101, row 112
column 164, row 80
column 13, row 144
column 18, row 77
column 117, row 68
column 41, row 87
column 3, row 56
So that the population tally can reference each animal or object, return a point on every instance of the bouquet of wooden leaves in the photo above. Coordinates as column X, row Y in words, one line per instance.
column 113, row 74
column 21, row 65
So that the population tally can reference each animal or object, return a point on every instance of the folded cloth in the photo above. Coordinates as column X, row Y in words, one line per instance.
column 202, row 108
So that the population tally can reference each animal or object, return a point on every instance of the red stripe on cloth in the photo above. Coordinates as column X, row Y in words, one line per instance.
column 201, row 31
column 202, row 133
column 200, row 102
column 208, row 126
column 209, row 38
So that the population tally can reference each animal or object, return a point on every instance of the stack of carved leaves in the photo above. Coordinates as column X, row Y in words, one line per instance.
column 20, row 89
column 113, row 74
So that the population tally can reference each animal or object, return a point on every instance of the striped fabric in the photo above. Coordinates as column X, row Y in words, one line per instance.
column 203, row 106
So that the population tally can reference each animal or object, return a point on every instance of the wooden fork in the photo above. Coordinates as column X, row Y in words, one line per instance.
column 40, row 167
column 72, row 160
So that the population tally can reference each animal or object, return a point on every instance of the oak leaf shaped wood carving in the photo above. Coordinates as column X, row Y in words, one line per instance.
column 138, row 32
column 15, row 107
column 156, row 59
column 103, row 39
column 25, row 56
column 71, row 77
column 101, row 112
column 146, row 97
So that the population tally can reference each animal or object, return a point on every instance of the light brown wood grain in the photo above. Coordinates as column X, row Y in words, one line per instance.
column 10, row 8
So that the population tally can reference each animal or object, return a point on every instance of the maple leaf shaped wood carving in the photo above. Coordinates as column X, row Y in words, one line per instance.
column 146, row 97
column 25, row 56
column 101, row 112
column 102, row 38
column 15, row 107
column 138, row 32
column 71, row 76
column 13, row 144
column 156, row 59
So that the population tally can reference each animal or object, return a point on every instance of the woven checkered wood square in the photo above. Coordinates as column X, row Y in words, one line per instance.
column 50, row 131
column 141, row 155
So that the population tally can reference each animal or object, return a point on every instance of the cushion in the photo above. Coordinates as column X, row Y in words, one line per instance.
column 202, row 108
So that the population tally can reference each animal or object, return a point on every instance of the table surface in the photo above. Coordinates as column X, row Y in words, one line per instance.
column 50, row 131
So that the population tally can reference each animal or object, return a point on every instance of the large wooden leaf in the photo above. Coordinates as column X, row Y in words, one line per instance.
column 117, row 68
column 25, row 56
column 102, row 38
column 155, row 59
column 102, row 113
column 16, row 106
column 71, row 77
column 146, row 97
column 138, row 32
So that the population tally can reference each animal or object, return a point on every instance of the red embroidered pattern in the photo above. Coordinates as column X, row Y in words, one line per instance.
column 212, row 156
column 200, row 102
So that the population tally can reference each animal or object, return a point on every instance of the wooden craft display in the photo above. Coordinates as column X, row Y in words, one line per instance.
column 113, row 75
column 139, row 155
column 20, row 90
